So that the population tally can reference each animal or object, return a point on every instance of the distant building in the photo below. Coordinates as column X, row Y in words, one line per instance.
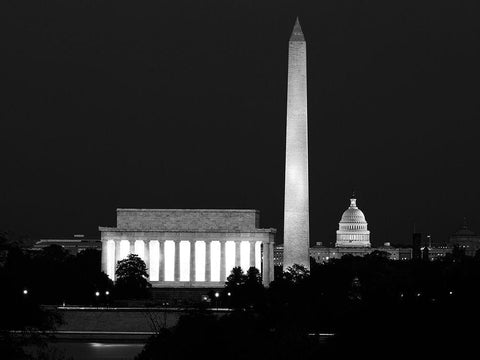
column 427, row 251
column 405, row 253
column 73, row 245
column 465, row 239
column 278, row 255
column 435, row 252
column 352, row 230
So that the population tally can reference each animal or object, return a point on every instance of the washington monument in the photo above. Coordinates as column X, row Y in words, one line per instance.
column 296, row 218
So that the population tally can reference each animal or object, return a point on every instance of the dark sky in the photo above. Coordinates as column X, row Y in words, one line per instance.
column 182, row 104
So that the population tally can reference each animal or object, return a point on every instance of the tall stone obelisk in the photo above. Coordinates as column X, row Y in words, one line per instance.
column 296, row 220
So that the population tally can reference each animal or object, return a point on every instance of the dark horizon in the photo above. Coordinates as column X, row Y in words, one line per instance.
column 183, row 105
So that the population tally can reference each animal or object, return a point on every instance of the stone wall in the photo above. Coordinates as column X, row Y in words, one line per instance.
column 186, row 219
column 107, row 324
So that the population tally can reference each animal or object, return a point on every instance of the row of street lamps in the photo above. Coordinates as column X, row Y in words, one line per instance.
column 97, row 294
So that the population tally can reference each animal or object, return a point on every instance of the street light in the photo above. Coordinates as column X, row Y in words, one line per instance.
column 107, row 293
column 25, row 292
column 217, row 294
column 97, row 293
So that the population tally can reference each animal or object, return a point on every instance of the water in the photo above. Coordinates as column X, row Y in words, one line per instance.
column 99, row 350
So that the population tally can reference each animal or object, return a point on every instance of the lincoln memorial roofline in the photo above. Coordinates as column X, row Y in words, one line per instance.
column 178, row 220
column 116, row 229
column 190, row 210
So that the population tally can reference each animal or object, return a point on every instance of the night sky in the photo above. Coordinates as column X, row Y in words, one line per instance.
column 182, row 104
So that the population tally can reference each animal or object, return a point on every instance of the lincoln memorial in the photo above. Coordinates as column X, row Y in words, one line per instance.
column 189, row 248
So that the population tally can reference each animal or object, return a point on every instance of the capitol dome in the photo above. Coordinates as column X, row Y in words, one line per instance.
column 352, row 229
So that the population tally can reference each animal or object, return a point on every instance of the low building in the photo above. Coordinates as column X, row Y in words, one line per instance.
column 322, row 253
column 186, row 248
column 405, row 253
column 74, row 245
column 435, row 252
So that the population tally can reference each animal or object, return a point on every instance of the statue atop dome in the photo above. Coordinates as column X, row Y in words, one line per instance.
column 352, row 229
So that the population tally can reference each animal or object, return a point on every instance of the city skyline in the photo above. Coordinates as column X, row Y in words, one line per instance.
column 151, row 114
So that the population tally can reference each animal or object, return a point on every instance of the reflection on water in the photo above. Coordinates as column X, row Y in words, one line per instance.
column 96, row 350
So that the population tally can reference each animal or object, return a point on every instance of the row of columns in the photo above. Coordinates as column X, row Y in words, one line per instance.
column 265, row 268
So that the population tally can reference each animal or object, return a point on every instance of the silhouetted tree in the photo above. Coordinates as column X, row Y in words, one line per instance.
column 235, row 279
column 253, row 288
column 378, row 254
column 477, row 255
column 87, row 276
column 296, row 273
column 253, row 277
column 237, row 336
column 246, row 290
column 132, row 276
column 19, row 306
column 234, row 294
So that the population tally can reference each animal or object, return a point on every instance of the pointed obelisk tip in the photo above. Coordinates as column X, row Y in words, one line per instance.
column 297, row 33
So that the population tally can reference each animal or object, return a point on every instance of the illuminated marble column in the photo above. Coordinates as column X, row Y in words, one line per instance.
column 161, row 262
column 117, row 255
column 223, row 263
column 105, row 256
column 267, row 258
column 237, row 255
column 132, row 246
column 192, row 260
column 154, row 259
column 146, row 252
column 252, row 254
column 177, row 261
column 258, row 255
column 208, row 276
column 271, row 274
column 296, row 216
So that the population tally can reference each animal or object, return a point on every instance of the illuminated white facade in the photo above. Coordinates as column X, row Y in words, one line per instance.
column 189, row 248
column 296, row 217
column 352, row 229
